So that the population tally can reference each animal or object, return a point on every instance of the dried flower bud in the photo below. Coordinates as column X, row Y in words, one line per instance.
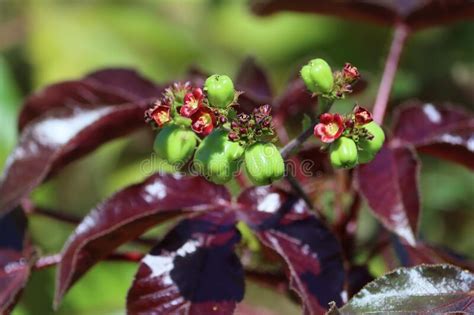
column 361, row 115
column 351, row 73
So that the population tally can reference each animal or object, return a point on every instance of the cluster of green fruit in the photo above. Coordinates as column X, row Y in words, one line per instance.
column 353, row 139
column 219, row 153
column 347, row 151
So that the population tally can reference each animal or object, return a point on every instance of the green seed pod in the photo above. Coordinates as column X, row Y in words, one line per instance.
column 343, row 153
column 318, row 77
column 263, row 163
column 369, row 148
column 175, row 144
column 217, row 158
column 220, row 90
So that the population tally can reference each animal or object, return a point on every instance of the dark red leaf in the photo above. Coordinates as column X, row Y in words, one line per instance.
column 443, row 131
column 358, row 277
column 253, row 80
column 128, row 214
column 15, row 259
column 64, row 135
column 194, row 270
column 104, row 87
column 424, row 253
column 311, row 251
column 390, row 185
column 67, row 94
column 126, row 82
column 415, row 13
column 294, row 100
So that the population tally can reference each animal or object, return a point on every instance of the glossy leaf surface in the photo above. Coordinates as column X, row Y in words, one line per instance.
column 50, row 142
column 67, row 120
column 194, row 270
column 424, row 289
column 129, row 213
column 389, row 183
column 311, row 251
column 15, row 258
column 443, row 131
column 104, row 87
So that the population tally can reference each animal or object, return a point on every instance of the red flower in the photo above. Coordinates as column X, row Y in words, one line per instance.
column 203, row 121
column 329, row 128
column 351, row 74
column 159, row 114
column 192, row 102
column 362, row 116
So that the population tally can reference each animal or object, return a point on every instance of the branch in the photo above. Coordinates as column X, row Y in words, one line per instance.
column 324, row 105
column 288, row 149
column 391, row 65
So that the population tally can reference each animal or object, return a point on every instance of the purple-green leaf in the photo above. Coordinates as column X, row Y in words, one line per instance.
column 424, row 289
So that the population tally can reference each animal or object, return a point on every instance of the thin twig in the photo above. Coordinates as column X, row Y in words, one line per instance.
column 288, row 149
column 293, row 145
column 398, row 42
column 295, row 185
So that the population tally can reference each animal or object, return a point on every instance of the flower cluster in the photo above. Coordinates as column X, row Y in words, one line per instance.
column 182, row 104
column 333, row 126
column 256, row 127
column 228, row 138
column 352, row 139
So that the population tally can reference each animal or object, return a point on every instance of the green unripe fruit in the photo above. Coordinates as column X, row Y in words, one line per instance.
column 263, row 163
column 217, row 158
column 220, row 90
column 343, row 153
column 175, row 144
column 369, row 148
column 318, row 77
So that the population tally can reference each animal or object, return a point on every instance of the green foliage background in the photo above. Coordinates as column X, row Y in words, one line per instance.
column 43, row 41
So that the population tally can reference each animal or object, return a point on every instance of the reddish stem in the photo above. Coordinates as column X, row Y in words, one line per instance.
column 391, row 65
column 52, row 260
column 47, row 261
column 241, row 180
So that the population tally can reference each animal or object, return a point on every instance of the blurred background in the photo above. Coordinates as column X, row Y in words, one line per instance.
column 42, row 42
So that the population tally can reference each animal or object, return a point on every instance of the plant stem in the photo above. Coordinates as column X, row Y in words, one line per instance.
column 324, row 105
column 391, row 65
column 52, row 260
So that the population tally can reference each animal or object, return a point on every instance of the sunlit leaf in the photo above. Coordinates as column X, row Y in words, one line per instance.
column 128, row 214
column 389, row 183
column 194, row 270
column 424, row 289
column 443, row 131
column 311, row 251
